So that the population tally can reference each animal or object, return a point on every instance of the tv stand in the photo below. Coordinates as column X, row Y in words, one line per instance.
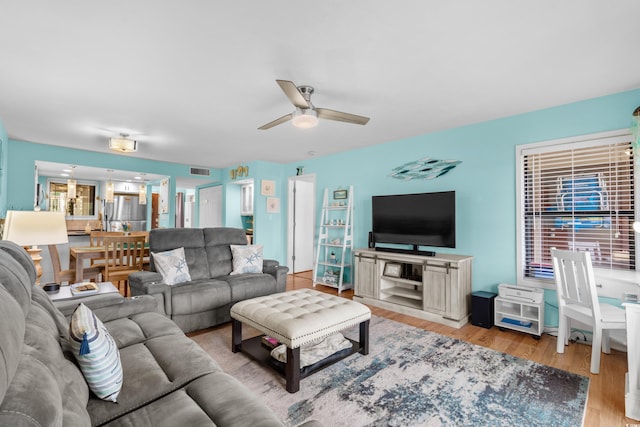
column 435, row 288
column 414, row 251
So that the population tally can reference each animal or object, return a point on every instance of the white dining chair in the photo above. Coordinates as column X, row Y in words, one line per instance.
column 578, row 300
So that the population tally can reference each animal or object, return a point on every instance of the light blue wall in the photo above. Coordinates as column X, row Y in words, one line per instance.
column 4, row 161
column 484, row 182
column 269, row 228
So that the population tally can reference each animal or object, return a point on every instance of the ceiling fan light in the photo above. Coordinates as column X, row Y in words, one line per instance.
column 305, row 119
column 123, row 145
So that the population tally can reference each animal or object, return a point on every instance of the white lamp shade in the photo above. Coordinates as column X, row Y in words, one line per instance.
column 109, row 192
column 142, row 196
column 31, row 228
column 123, row 145
column 71, row 189
column 304, row 119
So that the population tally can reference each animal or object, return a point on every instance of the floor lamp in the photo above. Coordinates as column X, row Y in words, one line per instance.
column 33, row 228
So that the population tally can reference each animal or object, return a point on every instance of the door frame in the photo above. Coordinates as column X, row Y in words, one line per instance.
column 217, row 193
column 291, row 205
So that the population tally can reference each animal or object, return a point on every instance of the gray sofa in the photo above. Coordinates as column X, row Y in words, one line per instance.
column 205, row 301
column 168, row 379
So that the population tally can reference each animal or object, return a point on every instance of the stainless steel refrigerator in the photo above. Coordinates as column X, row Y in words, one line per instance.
column 125, row 208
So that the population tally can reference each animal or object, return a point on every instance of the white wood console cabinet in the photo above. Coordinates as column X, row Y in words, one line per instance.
column 435, row 288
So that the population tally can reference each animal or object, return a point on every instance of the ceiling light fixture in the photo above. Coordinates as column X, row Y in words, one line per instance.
column 71, row 186
column 108, row 197
column 123, row 144
column 305, row 119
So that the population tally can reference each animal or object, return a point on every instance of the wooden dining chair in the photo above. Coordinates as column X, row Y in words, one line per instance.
column 60, row 276
column 123, row 255
column 140, row 233
column 96, row 238
column 578, row 300
column 146, row 260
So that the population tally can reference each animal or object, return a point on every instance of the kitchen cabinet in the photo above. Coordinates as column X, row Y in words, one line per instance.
column 126, row 187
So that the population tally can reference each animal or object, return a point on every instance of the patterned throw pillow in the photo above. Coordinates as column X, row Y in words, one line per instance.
column 246, row 259
column 172, row 265
column 96, row 353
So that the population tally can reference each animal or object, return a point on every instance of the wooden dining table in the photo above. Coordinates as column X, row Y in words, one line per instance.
column 78, row 254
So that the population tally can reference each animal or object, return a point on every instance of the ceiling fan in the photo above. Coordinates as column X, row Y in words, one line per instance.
column 306, row 114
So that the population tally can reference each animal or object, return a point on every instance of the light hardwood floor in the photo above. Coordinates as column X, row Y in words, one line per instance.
column 605, row 405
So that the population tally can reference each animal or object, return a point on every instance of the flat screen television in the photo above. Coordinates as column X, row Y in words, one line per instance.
column 424, row 219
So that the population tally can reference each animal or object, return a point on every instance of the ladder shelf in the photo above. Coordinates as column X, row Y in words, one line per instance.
column 333, row 266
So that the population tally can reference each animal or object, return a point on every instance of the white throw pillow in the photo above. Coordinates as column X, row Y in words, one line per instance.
column 246, row 259
column 96, row 353
column 172, row 265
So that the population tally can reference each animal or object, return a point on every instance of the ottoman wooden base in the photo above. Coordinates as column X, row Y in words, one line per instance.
column 293, row 372
column 296, row 318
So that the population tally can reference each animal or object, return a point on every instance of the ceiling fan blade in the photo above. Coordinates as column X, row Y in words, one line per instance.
column 339, row 116
column 291, row 90
column 276, row 122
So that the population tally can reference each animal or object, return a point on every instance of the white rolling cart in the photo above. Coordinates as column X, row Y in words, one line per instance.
column 520, row 308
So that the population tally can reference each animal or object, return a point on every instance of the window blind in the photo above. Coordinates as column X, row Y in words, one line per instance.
column 577, row 196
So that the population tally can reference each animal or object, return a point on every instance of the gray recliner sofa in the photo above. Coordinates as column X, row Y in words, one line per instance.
column 168, row 380
column 205, row 301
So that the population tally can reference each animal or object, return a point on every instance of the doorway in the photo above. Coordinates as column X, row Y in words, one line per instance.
column 301, row 222
column 210, row 206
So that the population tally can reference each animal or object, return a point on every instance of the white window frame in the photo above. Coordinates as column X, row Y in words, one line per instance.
column 627, row 278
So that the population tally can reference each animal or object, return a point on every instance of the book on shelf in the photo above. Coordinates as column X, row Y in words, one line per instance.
column 516, row 322
column 270, row 341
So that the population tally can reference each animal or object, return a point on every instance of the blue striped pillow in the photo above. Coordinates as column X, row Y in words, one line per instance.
column 96, row 353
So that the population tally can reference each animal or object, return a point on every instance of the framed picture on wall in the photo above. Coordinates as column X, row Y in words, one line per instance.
column 268, row 188
column 164, row 196
column 273, row 205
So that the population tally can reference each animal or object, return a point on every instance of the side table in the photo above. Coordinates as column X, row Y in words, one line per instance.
column 65, row 292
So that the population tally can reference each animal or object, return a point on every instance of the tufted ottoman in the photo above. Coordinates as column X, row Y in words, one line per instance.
column 295, row 318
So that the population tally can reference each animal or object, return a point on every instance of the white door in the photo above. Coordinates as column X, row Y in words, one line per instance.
column 210, row 210
column 301, row 223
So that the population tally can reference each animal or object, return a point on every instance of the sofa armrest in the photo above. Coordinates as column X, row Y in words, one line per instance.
column 279, row 272
column 151, row 283
column 109, row 306
column 94, row 302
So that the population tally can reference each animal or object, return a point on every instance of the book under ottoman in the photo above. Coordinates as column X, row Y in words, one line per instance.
column 296, row 318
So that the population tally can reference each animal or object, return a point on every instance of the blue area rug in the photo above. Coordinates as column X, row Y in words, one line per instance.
column 413, row 377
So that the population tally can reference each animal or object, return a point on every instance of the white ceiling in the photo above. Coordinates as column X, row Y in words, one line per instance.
column 194, row 80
